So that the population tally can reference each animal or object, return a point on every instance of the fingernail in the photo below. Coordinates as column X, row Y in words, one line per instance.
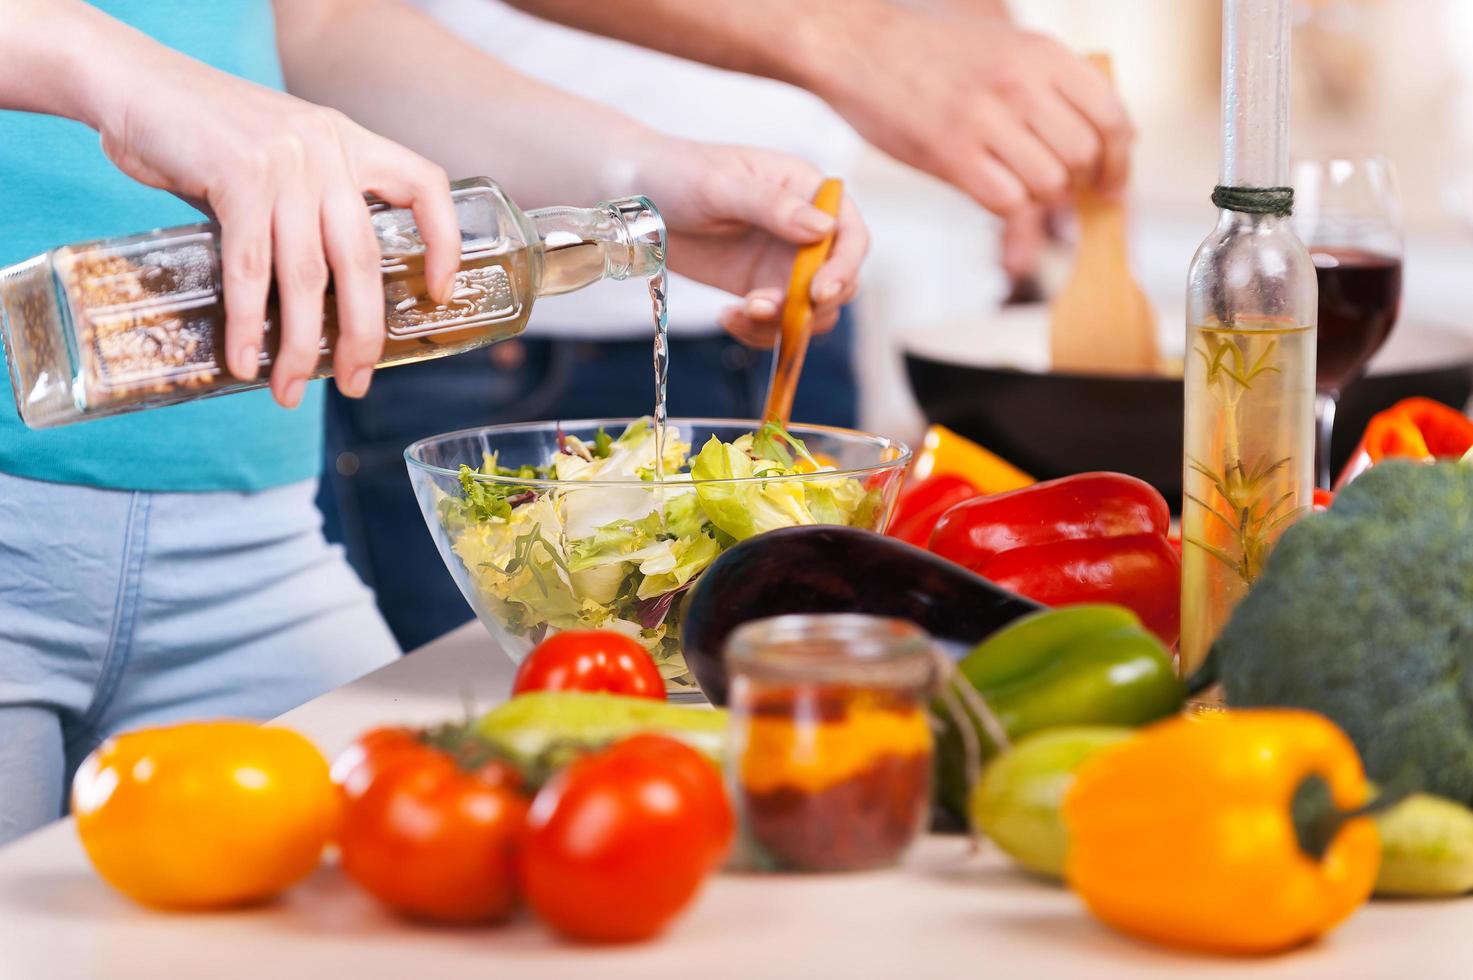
column 830, row 292
column 761, row 309
column 358, row 382
column 445, row 292
column 815, row 222
column 293, row 396
column 250, row 362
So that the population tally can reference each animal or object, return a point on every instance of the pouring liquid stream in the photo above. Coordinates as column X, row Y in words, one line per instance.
column 660, row 307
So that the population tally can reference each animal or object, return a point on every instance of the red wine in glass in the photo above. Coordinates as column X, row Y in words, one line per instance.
column 1346, row 212
column 1360, row 294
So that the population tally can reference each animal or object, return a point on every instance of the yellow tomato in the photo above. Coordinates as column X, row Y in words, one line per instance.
column 205, row 814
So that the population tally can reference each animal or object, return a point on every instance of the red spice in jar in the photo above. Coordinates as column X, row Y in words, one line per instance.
column 834, row 778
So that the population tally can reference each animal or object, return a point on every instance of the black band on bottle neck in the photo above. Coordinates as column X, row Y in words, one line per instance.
column 1255, row 200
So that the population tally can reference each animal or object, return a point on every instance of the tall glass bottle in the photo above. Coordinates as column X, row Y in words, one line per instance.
column 1250, row 353
column 100, row 328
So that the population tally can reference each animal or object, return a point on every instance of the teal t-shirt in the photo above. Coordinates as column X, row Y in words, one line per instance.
column 58, row 187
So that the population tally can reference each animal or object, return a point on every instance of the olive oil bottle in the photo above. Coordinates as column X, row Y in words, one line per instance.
column 1250, row 352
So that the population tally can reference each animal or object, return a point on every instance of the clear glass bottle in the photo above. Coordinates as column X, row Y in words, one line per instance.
column 1250, row 353
column 831, row 739
column 104, row 327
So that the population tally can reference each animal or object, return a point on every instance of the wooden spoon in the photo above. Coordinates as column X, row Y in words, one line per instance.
column 1102, row 321
column 797, row 318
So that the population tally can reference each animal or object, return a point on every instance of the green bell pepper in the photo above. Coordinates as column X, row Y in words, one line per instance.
column 1079, row 665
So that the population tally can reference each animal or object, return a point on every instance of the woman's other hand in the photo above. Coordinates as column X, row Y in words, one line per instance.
column 736, row 217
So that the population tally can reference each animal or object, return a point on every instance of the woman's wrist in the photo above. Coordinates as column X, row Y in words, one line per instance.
column 634, row 159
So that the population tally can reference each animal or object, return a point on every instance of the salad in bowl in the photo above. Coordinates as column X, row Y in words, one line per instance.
column 588, row 525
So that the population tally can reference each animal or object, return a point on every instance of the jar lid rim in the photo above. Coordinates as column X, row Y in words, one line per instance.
column 835, row 648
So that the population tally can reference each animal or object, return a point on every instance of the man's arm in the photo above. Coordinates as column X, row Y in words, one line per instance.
column 1010, row 117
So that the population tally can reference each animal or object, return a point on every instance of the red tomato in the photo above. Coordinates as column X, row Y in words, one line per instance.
column 590, row 660
column 357, row 766
column 620, row 841
column 427, row 836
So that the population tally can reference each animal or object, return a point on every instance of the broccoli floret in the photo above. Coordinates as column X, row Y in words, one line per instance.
column 1365, row 614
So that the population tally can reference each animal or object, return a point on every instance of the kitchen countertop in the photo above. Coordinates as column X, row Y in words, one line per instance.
column 946, row 911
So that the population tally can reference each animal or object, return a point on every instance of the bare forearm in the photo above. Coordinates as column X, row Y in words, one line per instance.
column 996, row 9
column 949, row 86
column 826, row 46
column 796, row 41
column 66, row 58
column 397, row 72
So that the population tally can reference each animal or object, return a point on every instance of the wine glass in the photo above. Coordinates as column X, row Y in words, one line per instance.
column 1347, row 215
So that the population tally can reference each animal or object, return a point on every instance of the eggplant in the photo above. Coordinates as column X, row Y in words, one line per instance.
column 832, row 569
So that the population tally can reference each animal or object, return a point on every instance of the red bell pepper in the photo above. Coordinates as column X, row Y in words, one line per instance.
column 1413, row 428
column 921, row 505
column 1095, row 537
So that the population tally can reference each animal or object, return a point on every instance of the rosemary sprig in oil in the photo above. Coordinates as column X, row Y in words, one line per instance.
column 1251, row 522
column 1225, row 359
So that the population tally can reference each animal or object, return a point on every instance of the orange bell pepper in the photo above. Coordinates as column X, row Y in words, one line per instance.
column 1237, row 832
column 1414, row 428
column 945, row 453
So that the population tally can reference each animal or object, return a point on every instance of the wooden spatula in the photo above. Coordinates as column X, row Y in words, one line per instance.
column 797, row 326
column 1102, row 321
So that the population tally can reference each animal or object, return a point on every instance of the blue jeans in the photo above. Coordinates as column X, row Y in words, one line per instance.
column 120, row 610
column 366, row 495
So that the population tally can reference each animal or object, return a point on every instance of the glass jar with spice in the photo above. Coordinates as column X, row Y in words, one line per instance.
column 831, row 748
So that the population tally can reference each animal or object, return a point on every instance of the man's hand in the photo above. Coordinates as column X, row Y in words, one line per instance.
column 1010, row 117
column 736, row 217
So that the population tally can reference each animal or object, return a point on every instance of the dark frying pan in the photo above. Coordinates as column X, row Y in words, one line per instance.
column 1054, row 424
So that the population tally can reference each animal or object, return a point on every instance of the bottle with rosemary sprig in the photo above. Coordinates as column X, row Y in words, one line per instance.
column 1250, row 354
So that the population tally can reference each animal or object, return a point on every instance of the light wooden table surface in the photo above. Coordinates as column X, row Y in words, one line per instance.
column 947, row 913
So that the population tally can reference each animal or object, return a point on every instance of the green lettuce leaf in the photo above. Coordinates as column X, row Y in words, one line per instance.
column 684, row 517
column 687, row 557
column 839, row 501
column 744, row 509
column 620, row 541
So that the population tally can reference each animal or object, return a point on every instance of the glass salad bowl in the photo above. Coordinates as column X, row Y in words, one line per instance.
column 549, row 526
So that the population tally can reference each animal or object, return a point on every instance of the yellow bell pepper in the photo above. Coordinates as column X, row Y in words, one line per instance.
column 943, row 452
column 1236, row 833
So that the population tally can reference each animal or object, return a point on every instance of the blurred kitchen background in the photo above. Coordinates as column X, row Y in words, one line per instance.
column 1389, row 77
column 1369, row 77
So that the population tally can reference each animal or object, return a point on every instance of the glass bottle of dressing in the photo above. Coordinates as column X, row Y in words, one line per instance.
column 1250, row 351
column 105, row 327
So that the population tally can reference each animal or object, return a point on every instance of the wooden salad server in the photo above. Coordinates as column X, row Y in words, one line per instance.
column 797, row 317
column 1102, row 321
